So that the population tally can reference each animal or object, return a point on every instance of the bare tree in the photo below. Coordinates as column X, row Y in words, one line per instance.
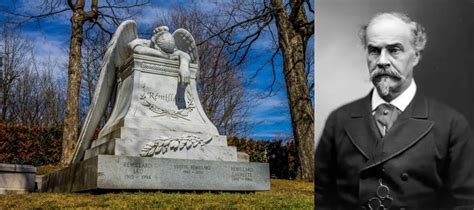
column 294, row 24
column 102, row 16
column 26, row 110
column 221, row 83
column 50, row 96
column 37, row 100
column 30, row 95
column 294, row 30
column 79, row 17
column 94, row 47
column 14, row 51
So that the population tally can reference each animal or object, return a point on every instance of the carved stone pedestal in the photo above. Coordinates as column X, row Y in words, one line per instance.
column 155, row 116
column 110, row 172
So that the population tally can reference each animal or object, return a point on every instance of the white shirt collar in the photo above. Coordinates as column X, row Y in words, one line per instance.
column 401, row 102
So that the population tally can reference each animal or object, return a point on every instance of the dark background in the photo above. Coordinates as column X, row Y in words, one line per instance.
column 445, row 72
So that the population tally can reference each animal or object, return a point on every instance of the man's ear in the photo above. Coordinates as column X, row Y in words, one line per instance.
column 417, row 58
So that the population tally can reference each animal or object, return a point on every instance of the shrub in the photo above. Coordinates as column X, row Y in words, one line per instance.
column 38, row 146
column 33, row 145
column 279, row 154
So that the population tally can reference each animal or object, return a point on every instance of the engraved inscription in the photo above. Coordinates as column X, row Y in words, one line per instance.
column 166, row 97
column 242, row 173
column 193, row 169
column 137, row 165
column 137, row 170
column 158, row 67
column 168, row 104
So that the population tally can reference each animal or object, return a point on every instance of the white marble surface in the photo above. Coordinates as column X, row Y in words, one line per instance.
column 156, row 98
column 151, row 104
column 129, row 147
column 138, row 173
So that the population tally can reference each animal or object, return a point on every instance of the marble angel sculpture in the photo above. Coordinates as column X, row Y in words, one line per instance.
column 164, row 44
column 177, row 46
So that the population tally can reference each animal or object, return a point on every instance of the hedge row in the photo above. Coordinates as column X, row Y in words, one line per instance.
column 33, row 145
column 279, row 154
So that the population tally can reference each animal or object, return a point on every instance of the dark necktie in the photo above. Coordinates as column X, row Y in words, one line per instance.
column 385, row 115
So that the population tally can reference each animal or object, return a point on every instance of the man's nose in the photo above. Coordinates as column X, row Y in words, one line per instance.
column 383, row 61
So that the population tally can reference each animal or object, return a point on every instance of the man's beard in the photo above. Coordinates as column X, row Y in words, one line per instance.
column 381, row 78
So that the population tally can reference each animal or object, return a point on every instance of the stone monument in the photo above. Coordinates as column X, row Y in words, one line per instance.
column 17, row 179
column 158, row 136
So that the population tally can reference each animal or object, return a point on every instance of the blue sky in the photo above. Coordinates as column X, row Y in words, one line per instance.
column 269, row 116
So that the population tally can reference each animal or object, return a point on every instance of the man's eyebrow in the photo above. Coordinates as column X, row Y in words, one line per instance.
column 395, row 45
column 372, row 46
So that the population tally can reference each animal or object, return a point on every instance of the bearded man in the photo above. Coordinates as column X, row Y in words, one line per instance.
column 394, row 148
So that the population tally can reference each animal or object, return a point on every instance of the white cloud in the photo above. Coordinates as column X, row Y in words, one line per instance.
column 149, row 15
column 48, row 46
column 270, row 135
column 39, row 7
column 49, row 53
column 209, row 5
column 271, row 103
column 269, row 119
column 270, row 113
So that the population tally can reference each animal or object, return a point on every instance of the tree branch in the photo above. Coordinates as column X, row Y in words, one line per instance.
column 237, row 25
column 309, row 29
column 310, row 8
column 109, row 6
column 71, row 5
column 296, row 9
column 39, row 16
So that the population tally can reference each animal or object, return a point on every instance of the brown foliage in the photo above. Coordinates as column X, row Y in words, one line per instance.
column 39, row 146
column 34, row 145
column 278, row 153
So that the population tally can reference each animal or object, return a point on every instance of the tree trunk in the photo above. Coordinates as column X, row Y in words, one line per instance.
column 71, row 119
column 292, row 43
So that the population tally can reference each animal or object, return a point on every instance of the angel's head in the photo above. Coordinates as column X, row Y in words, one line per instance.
column 163, row 39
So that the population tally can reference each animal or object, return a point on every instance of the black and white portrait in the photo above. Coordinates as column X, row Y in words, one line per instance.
column 394, row 104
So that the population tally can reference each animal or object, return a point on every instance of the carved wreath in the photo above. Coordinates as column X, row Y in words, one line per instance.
column 163, row 144
column 162, row 111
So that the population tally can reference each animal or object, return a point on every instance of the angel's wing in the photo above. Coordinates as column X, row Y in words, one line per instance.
column 185, row 42
column 115, row 56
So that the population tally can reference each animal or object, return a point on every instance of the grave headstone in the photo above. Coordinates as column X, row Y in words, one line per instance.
column 15, row 178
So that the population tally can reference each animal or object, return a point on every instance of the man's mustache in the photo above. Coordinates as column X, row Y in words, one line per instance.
column 386, row 72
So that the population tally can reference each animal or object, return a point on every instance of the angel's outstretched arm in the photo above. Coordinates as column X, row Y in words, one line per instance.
column 141, row 46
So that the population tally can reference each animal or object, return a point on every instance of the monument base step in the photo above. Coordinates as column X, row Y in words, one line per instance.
column 109, row 172
column 133, row 147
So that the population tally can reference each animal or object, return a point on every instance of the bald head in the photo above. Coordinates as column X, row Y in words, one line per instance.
column 415, row 30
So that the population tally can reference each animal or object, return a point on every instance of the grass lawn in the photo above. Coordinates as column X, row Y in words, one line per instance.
column 284, row 194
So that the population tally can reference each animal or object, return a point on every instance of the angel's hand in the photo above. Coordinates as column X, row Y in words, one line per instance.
column 184, row 76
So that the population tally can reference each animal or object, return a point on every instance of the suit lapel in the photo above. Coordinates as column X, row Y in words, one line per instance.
column 361, row 128
column 407, row 130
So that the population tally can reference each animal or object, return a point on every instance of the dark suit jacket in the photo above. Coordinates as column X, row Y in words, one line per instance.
column 426, row 158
